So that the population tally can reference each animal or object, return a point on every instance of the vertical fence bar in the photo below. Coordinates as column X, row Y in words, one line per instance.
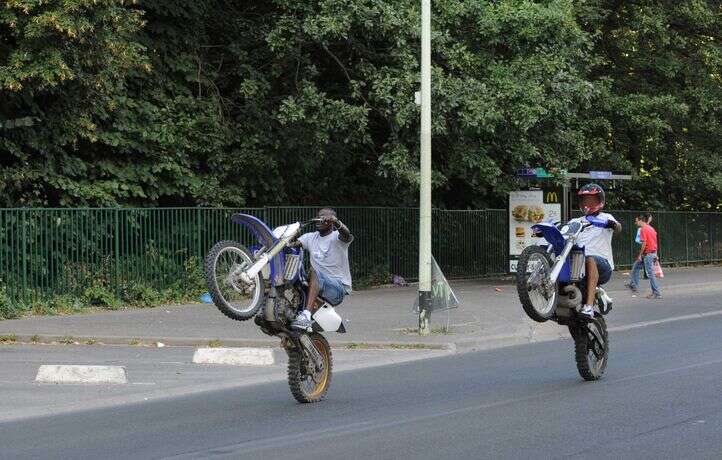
column 25, row 253
column 116, row 250
column 199, row 234
column 686, row 238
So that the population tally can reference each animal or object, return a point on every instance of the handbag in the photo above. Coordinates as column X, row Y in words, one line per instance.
column 658, row 269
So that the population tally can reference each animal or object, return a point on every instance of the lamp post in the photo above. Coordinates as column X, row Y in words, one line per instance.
column 425, row 177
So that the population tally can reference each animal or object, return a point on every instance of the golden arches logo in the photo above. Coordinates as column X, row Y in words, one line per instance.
column 552, row 197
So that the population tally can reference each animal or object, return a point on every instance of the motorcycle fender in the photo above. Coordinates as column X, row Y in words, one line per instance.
column 326, row 319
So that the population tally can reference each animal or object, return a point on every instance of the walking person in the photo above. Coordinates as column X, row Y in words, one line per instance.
column 647, row 256
column 638, row 265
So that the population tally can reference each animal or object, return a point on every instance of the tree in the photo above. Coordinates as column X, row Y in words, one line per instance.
column 662, row 61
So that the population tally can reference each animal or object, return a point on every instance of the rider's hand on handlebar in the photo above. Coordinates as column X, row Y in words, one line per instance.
column 603, row 223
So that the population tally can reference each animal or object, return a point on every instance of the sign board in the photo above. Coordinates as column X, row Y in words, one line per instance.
column 600, row 174
column 533, row 172
column 526, row 172
column 527, row 208
column 539, row 173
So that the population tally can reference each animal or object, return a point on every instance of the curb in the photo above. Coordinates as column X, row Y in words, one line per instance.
column 481, row 343
column 50, row 339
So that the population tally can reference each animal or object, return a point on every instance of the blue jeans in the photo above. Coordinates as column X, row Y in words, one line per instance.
column 603, row 268
column 648, row 261
column 331, row 289
column 636, row 273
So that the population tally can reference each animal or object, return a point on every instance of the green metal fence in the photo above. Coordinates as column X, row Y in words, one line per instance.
column 684, row 237
column 46, row 251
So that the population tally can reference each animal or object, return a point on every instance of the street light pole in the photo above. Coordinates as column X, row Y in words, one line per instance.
column 425, row 178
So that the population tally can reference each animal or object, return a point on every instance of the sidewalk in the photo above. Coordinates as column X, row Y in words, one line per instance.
column 489, row 316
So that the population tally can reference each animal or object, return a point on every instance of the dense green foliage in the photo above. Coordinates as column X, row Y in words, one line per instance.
column 112, row 102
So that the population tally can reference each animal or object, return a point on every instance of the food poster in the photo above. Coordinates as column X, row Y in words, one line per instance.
column 527, row 208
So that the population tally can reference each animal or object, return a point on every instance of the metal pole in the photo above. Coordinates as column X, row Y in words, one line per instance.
column 425, row 186
column 566, row 201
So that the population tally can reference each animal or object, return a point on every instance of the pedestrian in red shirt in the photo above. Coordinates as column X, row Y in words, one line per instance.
column 647, row 256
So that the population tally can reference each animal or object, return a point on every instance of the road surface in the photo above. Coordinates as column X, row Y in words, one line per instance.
column 660, row 399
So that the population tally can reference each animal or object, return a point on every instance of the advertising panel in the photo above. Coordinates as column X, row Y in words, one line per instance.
column 527, row 208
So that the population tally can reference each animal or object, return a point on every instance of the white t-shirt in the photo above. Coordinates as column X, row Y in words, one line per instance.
column 328, row 255
column 598, row 241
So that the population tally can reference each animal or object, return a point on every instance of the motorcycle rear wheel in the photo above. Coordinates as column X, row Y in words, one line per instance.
column 539, row 302
column 591, row 348
column 234, row 298
column 305, row 387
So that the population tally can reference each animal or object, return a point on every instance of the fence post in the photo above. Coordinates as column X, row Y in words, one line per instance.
column 25, row 254
column 686, row 238
column 709, row 237
column 388, row 241
column 117, row 251
column 199, row 235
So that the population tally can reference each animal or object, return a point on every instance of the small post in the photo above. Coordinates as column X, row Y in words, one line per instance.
column 24, row 253
column 686, row 238
column 117, row 251
column 199, row 236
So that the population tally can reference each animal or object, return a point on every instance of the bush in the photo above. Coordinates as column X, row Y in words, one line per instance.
column 8, row 308
column 140, row 295
column 98, row 295
column 65, row 304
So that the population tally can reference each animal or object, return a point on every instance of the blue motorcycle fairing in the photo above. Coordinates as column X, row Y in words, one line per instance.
column 301, row 273
column 554, row 237
column 265, row 236
column 552, row 234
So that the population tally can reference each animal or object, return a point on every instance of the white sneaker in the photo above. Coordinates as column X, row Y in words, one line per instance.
column 302, row 321
column 587, row 311
column 604, row 299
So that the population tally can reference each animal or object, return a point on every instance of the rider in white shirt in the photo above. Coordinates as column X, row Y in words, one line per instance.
column 597, row 243
column 330, row 275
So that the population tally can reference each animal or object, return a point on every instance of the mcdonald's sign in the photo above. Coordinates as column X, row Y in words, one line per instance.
column 551, row 196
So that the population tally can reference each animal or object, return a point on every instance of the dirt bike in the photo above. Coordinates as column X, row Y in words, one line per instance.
column 551, row 285
column 268, row 282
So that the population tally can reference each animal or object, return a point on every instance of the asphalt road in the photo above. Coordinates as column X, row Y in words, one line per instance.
column 660, row 399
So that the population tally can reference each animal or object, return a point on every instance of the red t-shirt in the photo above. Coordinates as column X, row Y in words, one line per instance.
column 649, row 236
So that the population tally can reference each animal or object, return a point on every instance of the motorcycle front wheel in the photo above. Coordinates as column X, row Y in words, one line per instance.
column 538, row 299
column 307, row 383
column 234, row 298
column 591, row 348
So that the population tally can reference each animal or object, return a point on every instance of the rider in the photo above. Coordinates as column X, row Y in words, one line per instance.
column 330, row 273
column 597, row 243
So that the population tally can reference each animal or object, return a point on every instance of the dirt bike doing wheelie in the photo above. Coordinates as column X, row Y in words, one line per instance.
column 270, row 285
column 552, row 286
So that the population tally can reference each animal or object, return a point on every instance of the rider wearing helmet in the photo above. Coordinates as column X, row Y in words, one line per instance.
column 597, row 242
